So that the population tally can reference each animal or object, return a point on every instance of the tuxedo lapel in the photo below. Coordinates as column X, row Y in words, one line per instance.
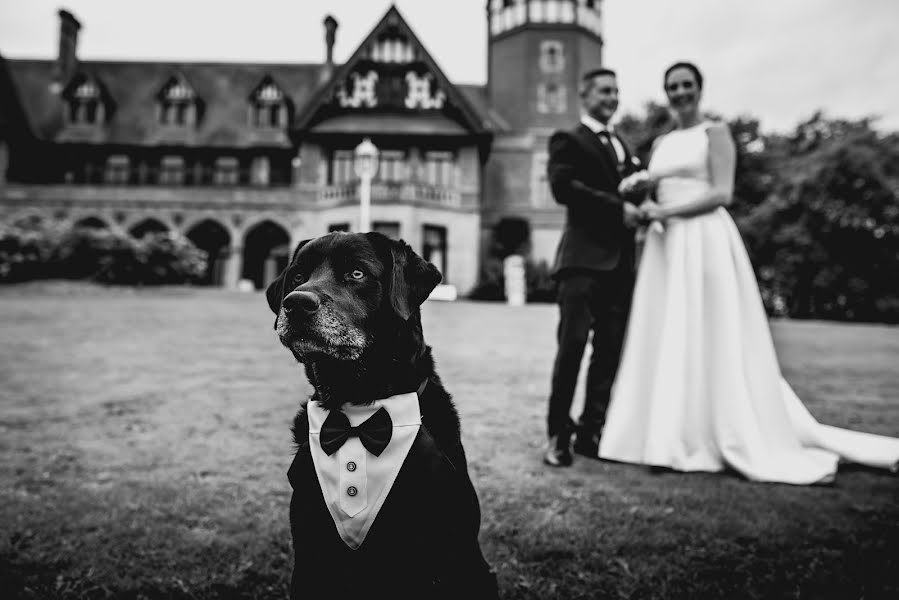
column 591, row 142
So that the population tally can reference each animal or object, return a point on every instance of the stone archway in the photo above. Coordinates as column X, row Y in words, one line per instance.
column 148, row 225
column 211, row 237
column 91, row 223
column 30, row 220
column 266, row 250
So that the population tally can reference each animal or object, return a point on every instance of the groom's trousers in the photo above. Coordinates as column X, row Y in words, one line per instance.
column 597, row 302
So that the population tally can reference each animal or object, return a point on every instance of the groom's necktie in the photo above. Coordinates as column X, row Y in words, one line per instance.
column 605, row 136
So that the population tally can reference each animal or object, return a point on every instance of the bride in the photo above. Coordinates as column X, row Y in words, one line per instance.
column 699, row 387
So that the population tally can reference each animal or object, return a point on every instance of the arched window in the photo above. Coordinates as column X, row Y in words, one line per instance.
column 552, row 57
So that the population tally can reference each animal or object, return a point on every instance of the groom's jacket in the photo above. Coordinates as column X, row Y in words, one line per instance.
column 584, row 174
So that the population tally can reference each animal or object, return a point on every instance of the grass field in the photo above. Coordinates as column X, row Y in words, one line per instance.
column 145, row 440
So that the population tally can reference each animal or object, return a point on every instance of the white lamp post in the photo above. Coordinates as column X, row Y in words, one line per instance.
column 366, row 165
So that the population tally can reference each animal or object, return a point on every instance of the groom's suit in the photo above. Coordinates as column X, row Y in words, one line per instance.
column 594, row 267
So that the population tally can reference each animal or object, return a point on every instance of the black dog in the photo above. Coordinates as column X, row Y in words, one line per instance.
column 348, row 309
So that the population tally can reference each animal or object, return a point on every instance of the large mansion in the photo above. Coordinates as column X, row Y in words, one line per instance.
column 247, row 160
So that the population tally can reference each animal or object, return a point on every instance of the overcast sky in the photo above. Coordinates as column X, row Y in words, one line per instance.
column 776, row 59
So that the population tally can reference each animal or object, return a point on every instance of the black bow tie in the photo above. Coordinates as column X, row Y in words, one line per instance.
column 374, row 433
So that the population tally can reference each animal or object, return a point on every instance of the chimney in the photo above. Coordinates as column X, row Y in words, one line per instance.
column 67, row 59
column 330, row 34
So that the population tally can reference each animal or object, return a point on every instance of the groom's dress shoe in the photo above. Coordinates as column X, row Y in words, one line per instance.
column 558, row 452
column 587, row 445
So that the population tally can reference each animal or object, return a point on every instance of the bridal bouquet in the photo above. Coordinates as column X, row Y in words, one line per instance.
column 635, row 182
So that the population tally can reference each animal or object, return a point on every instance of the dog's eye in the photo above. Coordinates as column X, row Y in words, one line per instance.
column 298, row 279
column 356, row 274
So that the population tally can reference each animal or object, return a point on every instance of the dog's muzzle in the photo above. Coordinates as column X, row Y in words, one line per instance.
column 308, row 327
column 302, row 302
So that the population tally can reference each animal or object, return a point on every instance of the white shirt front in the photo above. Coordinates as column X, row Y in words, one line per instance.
column 596, row 126
column 355, row 483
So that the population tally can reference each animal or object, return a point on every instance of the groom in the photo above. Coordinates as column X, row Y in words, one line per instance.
column 594, row 265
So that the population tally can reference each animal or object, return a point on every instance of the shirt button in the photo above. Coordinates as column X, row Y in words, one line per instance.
column 351, row 466
column 352, row 491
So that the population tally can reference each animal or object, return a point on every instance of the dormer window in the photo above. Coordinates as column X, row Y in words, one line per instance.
column 85, row 102
column 268, row 105
column 177, row 103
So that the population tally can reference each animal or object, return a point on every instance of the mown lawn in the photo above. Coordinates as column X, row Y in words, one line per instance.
column 145, row 440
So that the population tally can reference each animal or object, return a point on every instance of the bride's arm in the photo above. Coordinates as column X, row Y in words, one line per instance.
column 722, row 164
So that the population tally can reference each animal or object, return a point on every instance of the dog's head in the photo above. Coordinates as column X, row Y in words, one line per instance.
column 341, row 289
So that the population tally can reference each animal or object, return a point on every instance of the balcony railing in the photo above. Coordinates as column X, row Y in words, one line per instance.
column 302, row 196
column 402, row 192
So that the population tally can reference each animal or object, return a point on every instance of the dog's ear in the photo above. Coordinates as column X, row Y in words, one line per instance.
column 274, row 293
column 410, row 278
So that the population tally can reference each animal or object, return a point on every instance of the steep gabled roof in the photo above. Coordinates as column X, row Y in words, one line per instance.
column 321, row 105
column 133, row 87
column 13, row 122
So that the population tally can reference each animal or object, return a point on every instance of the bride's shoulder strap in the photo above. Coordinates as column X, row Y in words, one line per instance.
column 718, row 125
column 655, row 143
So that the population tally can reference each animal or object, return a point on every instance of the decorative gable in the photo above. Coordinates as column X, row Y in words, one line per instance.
column 418, row 93
column 363, row 94
column 391, row 74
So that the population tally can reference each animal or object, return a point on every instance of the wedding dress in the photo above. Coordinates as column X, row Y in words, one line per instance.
column 699, row 387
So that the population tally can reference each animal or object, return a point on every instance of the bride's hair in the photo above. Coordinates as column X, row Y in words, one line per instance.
column 683, row 65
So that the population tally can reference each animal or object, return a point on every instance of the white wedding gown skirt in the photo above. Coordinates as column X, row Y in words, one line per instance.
column 699, row 387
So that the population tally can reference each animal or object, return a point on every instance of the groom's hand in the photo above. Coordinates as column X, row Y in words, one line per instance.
column 632, row 215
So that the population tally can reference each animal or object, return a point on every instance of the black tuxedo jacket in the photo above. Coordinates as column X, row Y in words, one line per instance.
column 423, row 543
column 584, row 175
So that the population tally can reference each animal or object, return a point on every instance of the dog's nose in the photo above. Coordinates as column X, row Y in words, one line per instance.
column 307, row 302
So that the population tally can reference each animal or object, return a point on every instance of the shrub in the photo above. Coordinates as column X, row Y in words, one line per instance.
column 98, row 254
column 492, row 285
column 512, row 235
column 27, row 252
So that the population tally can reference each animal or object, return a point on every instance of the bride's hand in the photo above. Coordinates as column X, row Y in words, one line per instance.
column 653, row 211
column 636, row 183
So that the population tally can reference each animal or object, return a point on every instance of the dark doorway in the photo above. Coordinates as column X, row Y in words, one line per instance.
column 434, row 248
column 91, row 223
column 212, row 238
column 147, row 226
column 30, row 222
column 265, row 252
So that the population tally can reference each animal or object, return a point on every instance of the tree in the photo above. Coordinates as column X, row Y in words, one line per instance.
column 832, row 247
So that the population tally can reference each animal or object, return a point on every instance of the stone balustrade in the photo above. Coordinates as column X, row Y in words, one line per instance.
column 303, row 196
